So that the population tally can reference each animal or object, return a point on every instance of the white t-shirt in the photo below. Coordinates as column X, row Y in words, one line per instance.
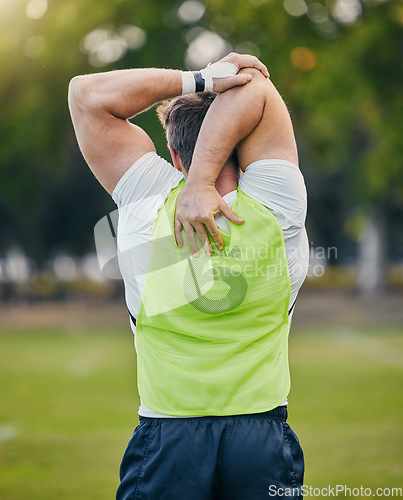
column 143, row 189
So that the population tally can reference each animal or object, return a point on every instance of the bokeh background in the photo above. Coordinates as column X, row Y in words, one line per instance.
column 68, row 400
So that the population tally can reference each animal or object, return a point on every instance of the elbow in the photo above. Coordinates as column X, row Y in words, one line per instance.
column 257, row 76
column 80, row 92
column 257, row 89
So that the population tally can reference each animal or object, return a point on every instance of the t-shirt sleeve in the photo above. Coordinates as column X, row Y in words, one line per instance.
column 280, row 186
column 149, row 178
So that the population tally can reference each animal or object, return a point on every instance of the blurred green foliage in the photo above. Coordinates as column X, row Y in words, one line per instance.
column 337, row 63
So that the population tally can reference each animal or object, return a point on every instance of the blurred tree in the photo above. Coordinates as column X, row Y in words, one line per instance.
column 351, row 114
column 46, row 189
column 338, row 64
column 344, row 84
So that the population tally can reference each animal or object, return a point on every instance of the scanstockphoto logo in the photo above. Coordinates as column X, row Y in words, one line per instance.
column 210, row 284
column 164, row 262
column 318, row 259
column 338, row 490
column 105, row 233
column 112, row 255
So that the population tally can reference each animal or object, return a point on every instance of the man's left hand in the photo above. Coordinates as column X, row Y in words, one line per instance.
column 239, row 61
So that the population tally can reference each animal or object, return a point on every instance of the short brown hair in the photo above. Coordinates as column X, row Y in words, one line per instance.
column 182, row 118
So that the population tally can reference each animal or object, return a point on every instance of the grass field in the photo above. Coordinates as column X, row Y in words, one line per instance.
column 68, row 405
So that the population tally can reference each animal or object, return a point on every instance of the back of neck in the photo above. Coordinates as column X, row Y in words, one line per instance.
column 227, row 181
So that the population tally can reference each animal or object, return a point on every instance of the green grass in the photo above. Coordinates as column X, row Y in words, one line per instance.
column 346, row 405
column 71, row 401
column 68, row 405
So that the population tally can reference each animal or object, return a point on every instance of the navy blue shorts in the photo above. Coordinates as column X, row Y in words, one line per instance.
column 243, row 457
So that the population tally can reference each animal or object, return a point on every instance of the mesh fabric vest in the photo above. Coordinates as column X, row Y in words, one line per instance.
column 212, row 332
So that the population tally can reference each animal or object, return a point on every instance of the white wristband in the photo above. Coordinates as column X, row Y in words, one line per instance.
column 188, row 82
column 215, row 70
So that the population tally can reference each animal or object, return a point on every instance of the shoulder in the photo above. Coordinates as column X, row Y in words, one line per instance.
column 279, row 185
column 149, row 177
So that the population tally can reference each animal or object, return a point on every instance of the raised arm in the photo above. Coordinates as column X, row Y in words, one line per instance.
column 101, row 105
column 254, row 120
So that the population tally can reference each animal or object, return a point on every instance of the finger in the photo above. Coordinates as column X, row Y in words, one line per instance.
column 239, row 80
column 215, row 233
column 231, row 81
column 253, row 62
column 205, row 240
column 263, row 69
column 229, row 214
column 178, row 232
column 190, row 236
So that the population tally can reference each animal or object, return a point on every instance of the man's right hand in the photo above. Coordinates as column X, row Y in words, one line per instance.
column 195, row 210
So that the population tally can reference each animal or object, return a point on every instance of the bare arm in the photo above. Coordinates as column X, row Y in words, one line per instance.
column 254, row 120
column 101, row 104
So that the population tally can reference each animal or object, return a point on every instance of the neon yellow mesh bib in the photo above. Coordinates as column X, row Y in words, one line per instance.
column 212, row 332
